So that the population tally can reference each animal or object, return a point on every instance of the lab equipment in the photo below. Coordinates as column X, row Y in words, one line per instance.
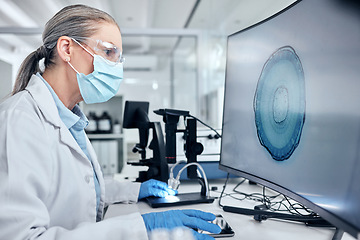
column 175, row 182
column 192, row 147
column 93, row 123
column 136, row 116
column 117, row 127
column 183, row 198
column 105, row 123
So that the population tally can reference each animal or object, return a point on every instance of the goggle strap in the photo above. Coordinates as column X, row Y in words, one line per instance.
column 83, row 47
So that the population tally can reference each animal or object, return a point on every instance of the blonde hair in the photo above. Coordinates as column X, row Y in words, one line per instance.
column 76, row 21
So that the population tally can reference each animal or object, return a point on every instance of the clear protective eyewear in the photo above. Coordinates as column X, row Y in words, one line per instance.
column 107, row 50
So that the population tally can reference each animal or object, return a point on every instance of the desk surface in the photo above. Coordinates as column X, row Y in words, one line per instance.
column 245, row 227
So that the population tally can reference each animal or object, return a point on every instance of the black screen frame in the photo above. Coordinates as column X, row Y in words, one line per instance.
column 337, row 221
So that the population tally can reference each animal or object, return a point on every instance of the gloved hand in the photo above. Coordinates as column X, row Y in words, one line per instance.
column 155, row 188
column 194, row 219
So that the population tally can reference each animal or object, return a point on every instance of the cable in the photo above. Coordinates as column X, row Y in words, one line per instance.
column 301, row 207
column 173, row 166
column 222, row 192
column 175, row 182
column 237, row 185
column 203, row 173
column 217, row 134
column 273, row 205
column 172, row 182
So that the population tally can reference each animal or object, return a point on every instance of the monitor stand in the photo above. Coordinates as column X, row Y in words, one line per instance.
column 338, row 234
column 180, row 199
column 260, row 215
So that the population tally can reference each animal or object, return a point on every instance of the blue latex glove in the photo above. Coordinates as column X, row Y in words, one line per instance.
column 193, row 219
column 155, row 188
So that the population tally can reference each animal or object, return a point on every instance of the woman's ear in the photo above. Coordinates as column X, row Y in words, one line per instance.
column 63, row 47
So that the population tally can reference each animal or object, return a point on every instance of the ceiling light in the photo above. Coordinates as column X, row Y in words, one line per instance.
column 155, row 85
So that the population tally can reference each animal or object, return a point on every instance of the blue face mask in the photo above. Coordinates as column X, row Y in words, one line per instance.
column 103, row 83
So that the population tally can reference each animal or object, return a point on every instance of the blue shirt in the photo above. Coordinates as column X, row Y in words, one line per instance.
column 76, row 122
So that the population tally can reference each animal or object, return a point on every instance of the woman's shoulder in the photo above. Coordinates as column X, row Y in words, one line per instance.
column 21, row 101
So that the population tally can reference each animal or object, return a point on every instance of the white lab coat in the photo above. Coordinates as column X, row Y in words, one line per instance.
column 47, row 187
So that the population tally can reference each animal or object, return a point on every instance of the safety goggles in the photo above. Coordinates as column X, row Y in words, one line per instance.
column 107, row 50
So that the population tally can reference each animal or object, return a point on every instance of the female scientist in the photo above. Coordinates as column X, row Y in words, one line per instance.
column 51, row 185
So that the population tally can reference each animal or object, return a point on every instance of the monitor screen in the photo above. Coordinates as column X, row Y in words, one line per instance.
column 292, row 107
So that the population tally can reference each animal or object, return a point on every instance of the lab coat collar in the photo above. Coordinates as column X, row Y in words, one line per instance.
column 44, row 100
column 47, row 106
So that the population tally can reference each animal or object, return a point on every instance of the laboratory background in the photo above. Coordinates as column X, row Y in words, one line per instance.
column 175, row 54
column 220, row 64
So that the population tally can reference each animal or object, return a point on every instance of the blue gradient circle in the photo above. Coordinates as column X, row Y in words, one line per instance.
column 279, row 103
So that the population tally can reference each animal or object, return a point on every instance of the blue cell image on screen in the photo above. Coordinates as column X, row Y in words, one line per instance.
column 279, row 103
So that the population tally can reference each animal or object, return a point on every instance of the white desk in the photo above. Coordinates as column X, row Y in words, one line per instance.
column 245, row 227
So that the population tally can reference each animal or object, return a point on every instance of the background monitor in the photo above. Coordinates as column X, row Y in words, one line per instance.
column 292, row 107
column 135, row 113
column 136, row 116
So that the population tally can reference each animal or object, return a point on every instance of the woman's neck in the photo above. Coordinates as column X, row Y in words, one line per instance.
column 64, row 85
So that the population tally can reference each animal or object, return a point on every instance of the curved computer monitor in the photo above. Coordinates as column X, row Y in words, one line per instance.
column 292, row 107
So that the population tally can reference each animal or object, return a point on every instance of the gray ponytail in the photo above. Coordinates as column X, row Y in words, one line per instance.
column 77, row 21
